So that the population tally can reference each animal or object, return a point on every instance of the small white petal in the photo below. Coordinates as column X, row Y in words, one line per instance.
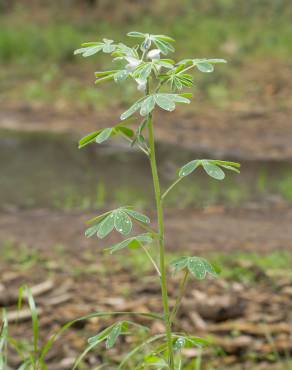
column 141, row 84
column 154, row 54
column 132, row 63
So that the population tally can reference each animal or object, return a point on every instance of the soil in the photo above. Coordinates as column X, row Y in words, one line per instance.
column 70, row 276
column 199, row 231
column 251, row 323
column 257, row 133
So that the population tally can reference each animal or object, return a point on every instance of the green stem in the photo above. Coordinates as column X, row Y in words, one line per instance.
column 151, row 260
column 180, row 296
column 147, row 228
column 187, row 68
column 138, row 145
column 161, row 241
column 171, row 187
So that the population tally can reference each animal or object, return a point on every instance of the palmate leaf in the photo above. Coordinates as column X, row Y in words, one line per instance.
column 134, row 351
column 98, row 136
column 188, row 168
column 178, row 81
column 121, row 75
column 119, row 219
column 233, row 166
column 100, row 337
column 179, row 264
column 117, row 75
column 113, row 335
column 122, row 222
column 132, row 109
column 155, row 362
column 97, row 219
column 124, row 130
column 104, row 79
column 164, row 38
column 203, row 65
column 137, row 34
column 108, row 46
column 109, row 336
column 164, row 46
column 135, row 241
column 91, row 48
column 147, row 35
column 123, row 50
column 104, row 134
column 155, row 359
column 162, row 42
column 147, row 105
column 167, row 101
column 87, row 51
column 213, row 170
column 197, row 266
column 163, row 100
column 92, row 230
column 106, row 226
column 90, row 138
column 165, row 63
column 139, row 138
column 138, row 216
column 143, row 71
column 211, row 167
column 206, row 65
column 188, row 341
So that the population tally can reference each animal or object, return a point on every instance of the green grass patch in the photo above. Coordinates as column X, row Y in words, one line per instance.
column 35, row 65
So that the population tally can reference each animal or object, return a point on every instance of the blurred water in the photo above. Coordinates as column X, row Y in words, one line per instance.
column 47, row 170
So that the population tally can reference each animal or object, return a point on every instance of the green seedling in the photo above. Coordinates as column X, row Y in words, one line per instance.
column 161, row 82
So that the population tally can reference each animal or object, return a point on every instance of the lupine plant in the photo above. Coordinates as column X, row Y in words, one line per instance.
column 161, row 82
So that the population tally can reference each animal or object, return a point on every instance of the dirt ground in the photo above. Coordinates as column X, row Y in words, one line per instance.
column 257, row 133
column 250, row 322
column 254, row 229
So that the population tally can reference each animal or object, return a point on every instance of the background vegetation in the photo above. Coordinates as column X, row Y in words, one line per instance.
column 36, row 43
column 48, row 187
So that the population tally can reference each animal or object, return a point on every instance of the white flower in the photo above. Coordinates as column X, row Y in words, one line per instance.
column 132, row 63
column 154, row 54
column 141, row 84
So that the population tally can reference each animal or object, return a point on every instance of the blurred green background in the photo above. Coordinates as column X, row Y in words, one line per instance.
column 37, row 40
column 241, row 112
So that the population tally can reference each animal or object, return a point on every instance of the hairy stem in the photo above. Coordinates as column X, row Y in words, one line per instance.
column 161, row 241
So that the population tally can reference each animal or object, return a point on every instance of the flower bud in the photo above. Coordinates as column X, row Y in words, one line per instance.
column 146, row 44
column 141, row 84
column 154, row 54
column 132, row 63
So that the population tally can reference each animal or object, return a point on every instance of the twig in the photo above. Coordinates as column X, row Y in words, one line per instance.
column 22, row 315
